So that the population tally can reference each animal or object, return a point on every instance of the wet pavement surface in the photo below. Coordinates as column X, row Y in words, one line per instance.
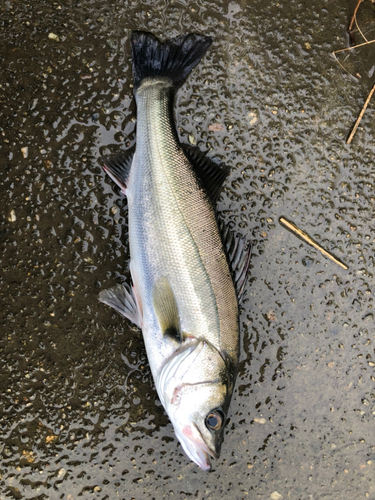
column 79, row 414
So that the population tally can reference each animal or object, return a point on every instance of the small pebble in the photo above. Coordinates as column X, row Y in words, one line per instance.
column 260, row 420
column 12, row 217
column 271, row 315
column 275, row 496
column 192, row 140
column 53, row 36
column 61, row 472
column 252, row 117
column 25, row 151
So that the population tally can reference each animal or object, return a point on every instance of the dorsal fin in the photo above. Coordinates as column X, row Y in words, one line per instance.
column 121, row 298
column 238, row 253
column 118, row 167
column 211, row 174
column 166, row 309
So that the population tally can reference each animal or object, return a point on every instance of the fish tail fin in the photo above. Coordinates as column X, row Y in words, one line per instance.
column 174, row 58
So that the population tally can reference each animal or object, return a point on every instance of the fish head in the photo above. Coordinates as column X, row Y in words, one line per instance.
column 196, row 387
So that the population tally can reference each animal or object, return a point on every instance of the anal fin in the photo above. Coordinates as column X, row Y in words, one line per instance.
column 122, row 299
column 118, row 167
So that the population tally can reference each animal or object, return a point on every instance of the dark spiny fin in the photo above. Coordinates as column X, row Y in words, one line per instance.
column 174, row 58
column 118, row 167
column 211, row 174
column 166, row 309
column 121, row 298
column 238, row 254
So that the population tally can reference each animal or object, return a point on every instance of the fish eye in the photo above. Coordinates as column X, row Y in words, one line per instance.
column 214, row 420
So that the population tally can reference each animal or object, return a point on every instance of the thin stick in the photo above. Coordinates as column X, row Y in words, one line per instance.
column 343, row 67
column 310, row 241
column 360, row 115
column 354, row 17
column 349, row 48
column 354, row 47
column 359, row 29
column 350, row 31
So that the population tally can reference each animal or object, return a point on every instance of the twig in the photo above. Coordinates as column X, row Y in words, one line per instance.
column 354, row 17
column 292, row 227
column 349, row 48
column 360, row 115
column 366, row 42
column 359, row 29
column 350, row 29
column 354, row 47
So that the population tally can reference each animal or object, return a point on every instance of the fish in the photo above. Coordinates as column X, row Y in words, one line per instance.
column 188, row 269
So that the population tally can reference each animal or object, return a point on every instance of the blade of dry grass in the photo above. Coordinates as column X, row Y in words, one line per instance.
column 296, row 230
column 360, row 116
column 366, row 42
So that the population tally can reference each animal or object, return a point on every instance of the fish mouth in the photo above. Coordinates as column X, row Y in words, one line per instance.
column 195, row 447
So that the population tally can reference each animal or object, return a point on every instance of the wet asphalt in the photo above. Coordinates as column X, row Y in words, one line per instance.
column 79, row 414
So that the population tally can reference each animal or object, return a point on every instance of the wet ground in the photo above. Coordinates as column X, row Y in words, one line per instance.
column 80, row 417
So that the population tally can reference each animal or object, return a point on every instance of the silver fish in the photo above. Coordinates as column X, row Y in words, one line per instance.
column 187, row 272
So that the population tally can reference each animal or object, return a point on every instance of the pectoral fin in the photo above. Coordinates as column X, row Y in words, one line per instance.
column 123, row 300
column 166, row 309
